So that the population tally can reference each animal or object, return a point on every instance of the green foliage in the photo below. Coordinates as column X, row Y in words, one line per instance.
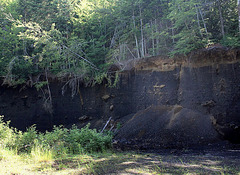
column 27, row 140
column 229, row 13
column 186, row 42
column 187, row 27
column 116, row 80
column 7, row 134
column 80, row 39
column 9, row 47
column 39, row 85
column 59, row 142
column 231, row 41
column 88, row 140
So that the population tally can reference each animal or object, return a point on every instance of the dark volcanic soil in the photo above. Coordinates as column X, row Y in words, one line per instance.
column 206, row 161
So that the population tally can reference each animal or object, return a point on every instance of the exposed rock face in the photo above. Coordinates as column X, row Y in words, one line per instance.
column 204, row 83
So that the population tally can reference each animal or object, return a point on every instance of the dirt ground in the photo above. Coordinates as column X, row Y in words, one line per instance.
column 166, row 161
column 173, row 162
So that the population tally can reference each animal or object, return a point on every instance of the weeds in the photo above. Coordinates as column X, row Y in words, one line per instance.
column 41, row 154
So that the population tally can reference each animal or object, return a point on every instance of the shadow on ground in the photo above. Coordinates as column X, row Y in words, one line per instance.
column 166, row 162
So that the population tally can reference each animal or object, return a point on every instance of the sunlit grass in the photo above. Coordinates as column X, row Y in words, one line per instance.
column 11, row 163
column 40, row 154
column 6, row 154
column 40, row 161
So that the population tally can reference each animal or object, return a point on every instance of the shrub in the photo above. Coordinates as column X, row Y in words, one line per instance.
column 7, row 134
column 55, row 140
column 59, row 142
column 27, row 140
column 88, row 140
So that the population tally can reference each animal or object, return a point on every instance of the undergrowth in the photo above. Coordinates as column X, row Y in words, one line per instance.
column 44, row 147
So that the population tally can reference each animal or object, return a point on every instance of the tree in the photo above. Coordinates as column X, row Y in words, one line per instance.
column 238, row 5
column 186, row 24
column 81, row 38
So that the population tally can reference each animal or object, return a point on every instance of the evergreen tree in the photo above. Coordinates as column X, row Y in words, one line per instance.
column 80, row 38
column 189, row 34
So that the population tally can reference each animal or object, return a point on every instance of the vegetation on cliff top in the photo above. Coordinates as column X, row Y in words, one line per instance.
column 79, row 39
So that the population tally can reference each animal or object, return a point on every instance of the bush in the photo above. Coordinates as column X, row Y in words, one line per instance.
column 8, row 135
column 59, row 142
column 88, row 140
column 27, row 140
column 55, row 140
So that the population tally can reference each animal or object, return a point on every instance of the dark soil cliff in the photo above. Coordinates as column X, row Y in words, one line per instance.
column 205, row 85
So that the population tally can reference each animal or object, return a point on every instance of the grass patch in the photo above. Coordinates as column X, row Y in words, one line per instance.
column 111, row 162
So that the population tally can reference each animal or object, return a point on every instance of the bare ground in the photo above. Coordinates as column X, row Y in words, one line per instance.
column 184, row 161
column 172, row 162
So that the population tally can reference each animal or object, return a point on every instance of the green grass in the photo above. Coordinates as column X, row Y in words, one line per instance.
column 118, row 163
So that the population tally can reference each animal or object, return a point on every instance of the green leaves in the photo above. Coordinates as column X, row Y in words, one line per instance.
column 231, row 41
column 187, row 26
column 60, row 140
column 81, row 39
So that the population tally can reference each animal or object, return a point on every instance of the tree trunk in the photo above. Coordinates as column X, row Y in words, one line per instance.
column 199, row 26
column 204, row 24
column 238, row 4
column 153, row 43
column 142, row 38
column 221, row 18
column 173, row 40
column 135, row 36
column 157, row 38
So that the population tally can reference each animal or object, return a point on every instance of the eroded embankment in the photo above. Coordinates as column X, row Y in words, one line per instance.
column 205, row 85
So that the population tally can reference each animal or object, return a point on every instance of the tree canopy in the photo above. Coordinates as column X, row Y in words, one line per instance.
column 81, row 38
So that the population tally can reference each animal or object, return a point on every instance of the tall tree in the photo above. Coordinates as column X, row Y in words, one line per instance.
column 238, row 6
column 82, row 37
column 184, row 16
column 221, row 17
